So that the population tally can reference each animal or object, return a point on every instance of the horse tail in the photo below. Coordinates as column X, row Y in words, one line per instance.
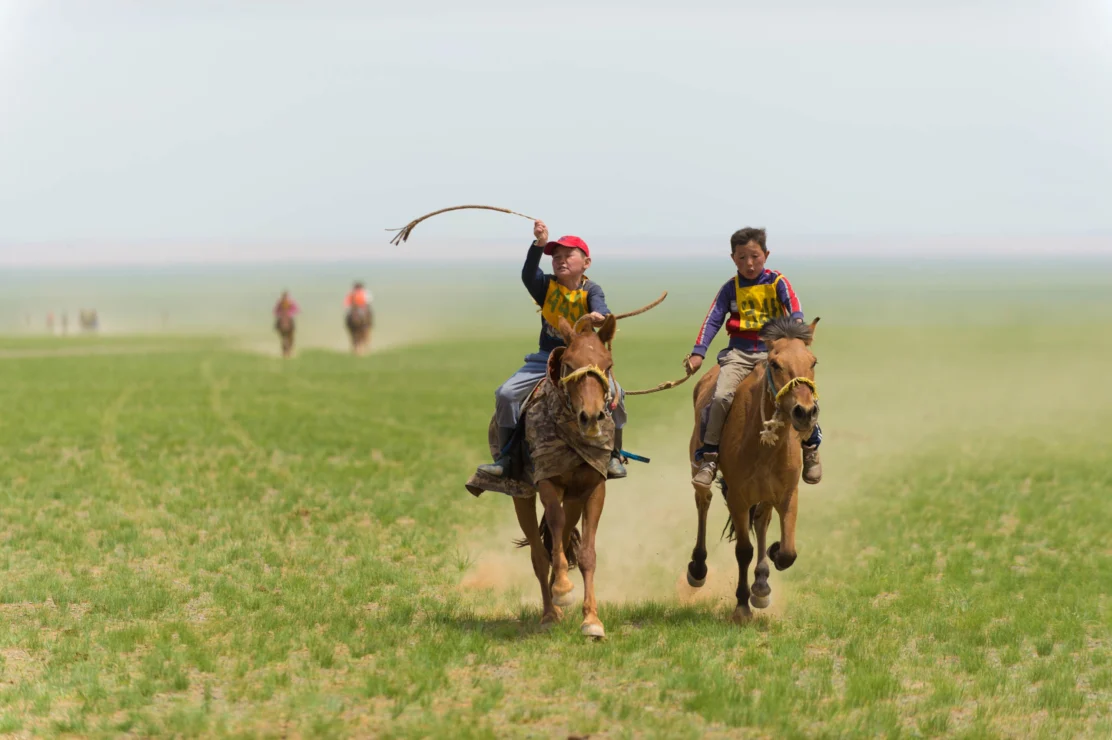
column 572, row 553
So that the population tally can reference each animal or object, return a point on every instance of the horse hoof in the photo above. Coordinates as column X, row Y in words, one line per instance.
column 742, row 615
column 551, row 618
column 565, row 599
column 593, row 629
column 759, row 602
column 695, row 582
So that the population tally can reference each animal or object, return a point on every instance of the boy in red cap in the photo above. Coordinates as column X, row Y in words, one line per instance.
column 565, row 293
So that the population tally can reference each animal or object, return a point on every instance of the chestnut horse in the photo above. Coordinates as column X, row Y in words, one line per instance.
column 760, row 464
column 578, row 390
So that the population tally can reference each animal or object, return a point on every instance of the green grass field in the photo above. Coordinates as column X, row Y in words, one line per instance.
column 202, row 541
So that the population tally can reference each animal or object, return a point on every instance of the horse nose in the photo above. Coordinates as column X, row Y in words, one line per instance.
column 801, row 414
column 815, row 413
column 583, row 418
column 601, row 415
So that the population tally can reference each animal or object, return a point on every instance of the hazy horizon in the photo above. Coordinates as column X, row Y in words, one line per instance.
column 658, row 250
column 190, row 130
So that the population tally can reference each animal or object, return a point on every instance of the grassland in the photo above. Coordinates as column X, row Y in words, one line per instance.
column 202, row 541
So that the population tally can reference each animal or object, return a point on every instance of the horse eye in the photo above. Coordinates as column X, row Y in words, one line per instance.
column 775, row 366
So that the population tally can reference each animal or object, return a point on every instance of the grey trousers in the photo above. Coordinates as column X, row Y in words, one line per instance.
column 511, row 394
column 733, row 367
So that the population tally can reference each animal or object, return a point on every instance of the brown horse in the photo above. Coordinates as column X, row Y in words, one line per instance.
column 360, row 320
column 284, row 325
column 580, row 391
column 759, row 463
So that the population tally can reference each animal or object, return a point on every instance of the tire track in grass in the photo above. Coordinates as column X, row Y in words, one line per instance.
column 118, row 469
column 217, row 386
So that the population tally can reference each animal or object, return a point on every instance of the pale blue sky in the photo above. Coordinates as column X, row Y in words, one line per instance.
column 152, row 130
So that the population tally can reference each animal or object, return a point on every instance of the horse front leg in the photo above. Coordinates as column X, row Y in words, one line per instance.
column 743, row 551
column 592, row 512
column 761, row 515
column 697, row 568
column 526, row 510
column 783, row 553
column 552, row 499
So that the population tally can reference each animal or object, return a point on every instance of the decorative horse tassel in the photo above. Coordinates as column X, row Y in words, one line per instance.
column 768, row 434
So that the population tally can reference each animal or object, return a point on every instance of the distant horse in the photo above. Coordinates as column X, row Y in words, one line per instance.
column 760, row 465
column 285, row 327
column 569, row 434
column 360, row 321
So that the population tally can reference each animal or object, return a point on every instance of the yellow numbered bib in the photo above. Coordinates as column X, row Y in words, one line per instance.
column 757, row 304
column 559, row 301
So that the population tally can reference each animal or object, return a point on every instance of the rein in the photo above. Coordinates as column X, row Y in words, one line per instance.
column 769, row 427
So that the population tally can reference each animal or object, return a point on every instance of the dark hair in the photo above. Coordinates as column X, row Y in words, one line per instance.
column 358, row 284
column 742, row 237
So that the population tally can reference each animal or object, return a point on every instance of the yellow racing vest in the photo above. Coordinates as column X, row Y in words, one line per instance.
column 561, row 302
column 757, row 304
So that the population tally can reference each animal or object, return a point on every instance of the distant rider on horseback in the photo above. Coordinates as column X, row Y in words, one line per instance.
column 285, row 307
column 358, row 300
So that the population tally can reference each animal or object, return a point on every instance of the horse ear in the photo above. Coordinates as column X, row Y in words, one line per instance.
column 566, row 330
column 608, row 329
column 554, row 359
column 584, row 325
column 813, row 325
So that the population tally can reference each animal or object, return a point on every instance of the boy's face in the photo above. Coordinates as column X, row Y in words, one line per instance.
column 569, row 262
column 750, row 260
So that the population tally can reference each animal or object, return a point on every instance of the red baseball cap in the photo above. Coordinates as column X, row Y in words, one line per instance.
column 568, row 241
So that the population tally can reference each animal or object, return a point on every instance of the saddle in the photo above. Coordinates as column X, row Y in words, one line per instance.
column 548, row 439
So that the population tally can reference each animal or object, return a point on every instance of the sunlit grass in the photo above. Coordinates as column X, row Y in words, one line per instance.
column 208, row 542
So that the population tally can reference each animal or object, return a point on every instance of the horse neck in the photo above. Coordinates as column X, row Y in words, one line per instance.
column 759, row 399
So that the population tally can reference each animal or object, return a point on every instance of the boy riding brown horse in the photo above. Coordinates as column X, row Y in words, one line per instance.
column 569, row 435
column 760, row 456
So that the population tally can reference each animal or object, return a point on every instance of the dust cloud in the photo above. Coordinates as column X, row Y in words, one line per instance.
column 645, row 540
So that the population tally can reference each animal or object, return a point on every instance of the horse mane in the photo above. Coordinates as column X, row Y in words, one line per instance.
column 785, row 327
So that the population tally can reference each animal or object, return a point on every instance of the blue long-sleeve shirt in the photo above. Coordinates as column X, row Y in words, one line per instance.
column 725, row 309
column 536, row 282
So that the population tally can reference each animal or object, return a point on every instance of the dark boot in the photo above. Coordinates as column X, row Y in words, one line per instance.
column 615, row 468
column 505, row 460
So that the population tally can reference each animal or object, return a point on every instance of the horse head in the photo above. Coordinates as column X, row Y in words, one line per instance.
column 791, row 371
column 584, row 369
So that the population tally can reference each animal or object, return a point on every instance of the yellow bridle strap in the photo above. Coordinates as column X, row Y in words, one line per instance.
column 793, row 383
column 595, row 370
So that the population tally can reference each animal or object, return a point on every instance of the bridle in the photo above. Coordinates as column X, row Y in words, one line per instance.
column 579, row 374
column 769, row 427
column 778, row 395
